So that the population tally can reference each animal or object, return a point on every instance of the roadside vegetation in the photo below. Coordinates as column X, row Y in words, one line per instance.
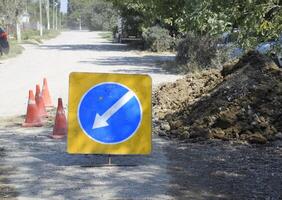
column 219, row 30
column 29, row 37
column 204, row 33
column 107, row 35
column 94, row 15
column 15, row 49
column 30, row 22
column 33, row 36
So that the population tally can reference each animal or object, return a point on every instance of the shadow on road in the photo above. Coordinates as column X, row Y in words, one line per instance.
column 87, row 47
column 219, row 170
column 144, row 64
column 140, row 64
column 45, row 170
column 6, row 191
column 213, row 170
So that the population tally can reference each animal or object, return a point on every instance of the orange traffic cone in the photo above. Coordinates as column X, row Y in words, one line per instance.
column 32, row 118
column 40, row 103
column 46, row 95
column 60, row 127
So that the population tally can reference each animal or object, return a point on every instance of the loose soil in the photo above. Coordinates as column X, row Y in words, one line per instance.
column 243, row 102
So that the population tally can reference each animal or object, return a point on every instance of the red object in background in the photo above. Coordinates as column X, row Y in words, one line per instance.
column 4, row 36
column 4, row 44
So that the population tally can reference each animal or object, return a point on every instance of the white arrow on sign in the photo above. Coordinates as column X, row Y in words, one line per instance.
column 101, row 120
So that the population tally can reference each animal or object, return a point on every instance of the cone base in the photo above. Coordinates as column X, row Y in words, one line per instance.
column 57, row 136
column 44, row 116
column 37, row 124
column 49, row 106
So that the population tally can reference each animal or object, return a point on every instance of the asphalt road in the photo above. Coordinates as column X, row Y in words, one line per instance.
column 73, row 51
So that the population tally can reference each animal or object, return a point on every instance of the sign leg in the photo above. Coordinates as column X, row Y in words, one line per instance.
column 110, row 160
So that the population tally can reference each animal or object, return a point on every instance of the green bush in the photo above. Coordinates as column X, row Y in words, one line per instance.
column 29, row 34
column 200, row 52
column 49, row 34
column 33, row 36
column 199, row 49
column 157, row 39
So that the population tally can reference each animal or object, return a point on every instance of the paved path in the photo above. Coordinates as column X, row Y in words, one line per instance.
column 71, row 51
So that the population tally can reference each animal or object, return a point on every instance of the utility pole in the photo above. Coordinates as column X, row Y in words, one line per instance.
column 48, row 14
column 40, row 18
column 61, row 20
column 18, row 28
column 80, row 28
column 56, row 16
column 53, row 24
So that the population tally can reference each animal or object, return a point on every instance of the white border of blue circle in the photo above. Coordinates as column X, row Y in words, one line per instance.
column 133, row 133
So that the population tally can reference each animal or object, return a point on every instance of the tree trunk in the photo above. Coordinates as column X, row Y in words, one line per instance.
column 56, row 16
column 40, row 18
column 48, row 14
column 53, row 24
column 19, row 35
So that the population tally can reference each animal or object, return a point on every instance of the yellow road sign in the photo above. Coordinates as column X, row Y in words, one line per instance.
column 109, row 114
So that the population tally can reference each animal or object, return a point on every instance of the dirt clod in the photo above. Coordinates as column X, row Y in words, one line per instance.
column 257, row 138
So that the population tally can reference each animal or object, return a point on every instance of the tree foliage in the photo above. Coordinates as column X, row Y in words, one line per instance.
column 256, row 20
column 167, row 13
column 94, row 14
column 157, row 39
column 10, row 10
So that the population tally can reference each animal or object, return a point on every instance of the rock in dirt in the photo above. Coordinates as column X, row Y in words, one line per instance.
column 165, row 126
column 278, row 136
column 243, row 102
column 257, row 138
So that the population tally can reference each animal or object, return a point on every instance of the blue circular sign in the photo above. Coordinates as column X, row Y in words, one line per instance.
column 109, row 113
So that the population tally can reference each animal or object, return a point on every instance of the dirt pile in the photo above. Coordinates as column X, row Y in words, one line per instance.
column 244, row 102
column 172, row 97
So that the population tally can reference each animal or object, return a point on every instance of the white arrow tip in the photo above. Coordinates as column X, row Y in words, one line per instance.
column 99, row 122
